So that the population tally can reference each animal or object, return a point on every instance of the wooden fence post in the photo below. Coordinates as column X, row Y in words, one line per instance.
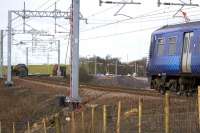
column 92, row 119
column 29, row 129
column 0, row 127
column 57, row 124
column 44, row 125
column 82, row 122
column 140, row 115
column 166, row 110
column 13, row 127
column 199, row 103
column 73, row 123
column 93, row 106
column 118, row 117
column 104, row 119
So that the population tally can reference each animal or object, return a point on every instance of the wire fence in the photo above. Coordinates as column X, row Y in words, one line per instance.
column 136, row 115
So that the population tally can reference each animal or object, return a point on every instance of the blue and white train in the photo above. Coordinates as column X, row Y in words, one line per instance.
column 174, row 58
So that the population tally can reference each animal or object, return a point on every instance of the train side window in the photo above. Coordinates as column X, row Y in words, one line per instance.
column 160, row 44
column 172, row 45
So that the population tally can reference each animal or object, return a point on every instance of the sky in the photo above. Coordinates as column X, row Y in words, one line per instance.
column 125, row 35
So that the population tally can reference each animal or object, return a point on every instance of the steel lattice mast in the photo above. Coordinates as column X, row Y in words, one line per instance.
column 25, row 14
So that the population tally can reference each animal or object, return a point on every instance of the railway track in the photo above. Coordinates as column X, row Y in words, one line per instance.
column 140, row 92
column 95, row 87
column 61, row 83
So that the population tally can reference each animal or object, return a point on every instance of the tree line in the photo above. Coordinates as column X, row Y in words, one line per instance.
column 110, row 65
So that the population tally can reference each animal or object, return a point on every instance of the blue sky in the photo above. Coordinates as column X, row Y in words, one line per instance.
column 105, row 34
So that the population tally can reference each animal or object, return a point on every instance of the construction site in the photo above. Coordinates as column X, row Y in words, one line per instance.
column 55, row 77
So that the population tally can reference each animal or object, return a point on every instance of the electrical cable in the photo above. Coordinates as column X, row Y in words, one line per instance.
column 52, row 4
column 123, row 20
column 149, row 15
column 100, row 12
column 46, row 2
column 121, row 33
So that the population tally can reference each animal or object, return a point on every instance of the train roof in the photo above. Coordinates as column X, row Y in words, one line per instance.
column 178, row 27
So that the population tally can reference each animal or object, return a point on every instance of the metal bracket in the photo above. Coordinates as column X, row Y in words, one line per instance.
column 124, row 3
column 112, row 2
column 69, row 103
column 8, row 83
column 176, row 4
column 183, row 13
column 182, row 4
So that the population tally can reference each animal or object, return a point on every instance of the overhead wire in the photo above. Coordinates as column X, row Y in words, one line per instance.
column 156, row 15
column 43, row 4
column 35, row 9
column 119, row 21
column 52, row 4
column 68, row 44
column 61, row 26
column 128, row 32
column 163, row 16
column 102, row 11
column 118, row 34
column 124, row 20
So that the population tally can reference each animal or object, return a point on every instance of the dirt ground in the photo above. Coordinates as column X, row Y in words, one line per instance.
column 24, row 102
column 28, row 101
column 32, row 101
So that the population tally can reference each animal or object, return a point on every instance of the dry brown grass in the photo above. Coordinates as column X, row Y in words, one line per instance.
column 26, row 101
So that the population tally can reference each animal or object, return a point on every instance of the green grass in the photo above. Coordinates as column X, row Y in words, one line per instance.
column 42, row 69
column 38, row 69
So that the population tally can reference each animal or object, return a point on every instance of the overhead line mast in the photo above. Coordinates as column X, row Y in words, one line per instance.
column 25, row 14
column 74, row 100
column 74, row 16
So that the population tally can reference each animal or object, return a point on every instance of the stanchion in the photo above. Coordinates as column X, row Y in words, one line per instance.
column 118, row 117
column 44, row 125
column 93, row 119
column 140, row 115
column 104, row 119
column 57, row 124
column 166, row 112
column 73, row 123
column 0, row 127
column 82, row 122
column 92, row 106
column 13, row 127
column 29, row 129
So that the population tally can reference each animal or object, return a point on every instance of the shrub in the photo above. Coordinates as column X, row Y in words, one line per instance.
column 83, row 75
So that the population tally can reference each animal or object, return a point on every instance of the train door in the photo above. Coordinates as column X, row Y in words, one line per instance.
column 186, row 55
